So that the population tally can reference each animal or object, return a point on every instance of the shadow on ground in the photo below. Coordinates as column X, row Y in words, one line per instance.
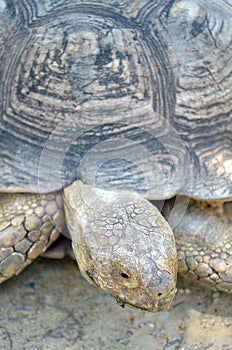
column 50, row 306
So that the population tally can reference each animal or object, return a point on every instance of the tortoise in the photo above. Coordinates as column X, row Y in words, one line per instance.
column 119, row 113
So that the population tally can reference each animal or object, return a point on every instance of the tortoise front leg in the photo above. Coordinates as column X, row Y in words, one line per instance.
column 60, row 249
column 27, row 228
column 204, row 242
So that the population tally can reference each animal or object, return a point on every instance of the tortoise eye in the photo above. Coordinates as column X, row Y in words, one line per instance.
column 89, row 275
column 124, row 275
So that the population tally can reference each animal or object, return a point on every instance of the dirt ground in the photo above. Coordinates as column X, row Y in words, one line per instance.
column 50, row 306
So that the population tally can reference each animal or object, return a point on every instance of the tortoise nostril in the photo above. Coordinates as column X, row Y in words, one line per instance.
column 124, row 275
column 159, row 294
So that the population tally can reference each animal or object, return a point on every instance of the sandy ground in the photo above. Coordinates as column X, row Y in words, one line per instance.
column 50, row 306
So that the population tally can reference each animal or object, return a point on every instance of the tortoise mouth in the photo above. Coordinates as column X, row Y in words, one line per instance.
column 124, row 303
column 156, row 306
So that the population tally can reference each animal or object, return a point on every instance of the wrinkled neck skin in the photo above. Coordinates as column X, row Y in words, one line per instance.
column 123, row 245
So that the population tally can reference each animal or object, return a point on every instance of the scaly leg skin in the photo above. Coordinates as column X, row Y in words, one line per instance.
column 204, row 241
column 29, row 223
column 60, row 249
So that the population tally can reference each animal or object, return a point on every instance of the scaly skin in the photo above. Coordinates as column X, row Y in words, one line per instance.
column 121, row 241
column 204, row 241
column 122, row 244
column 26, row 229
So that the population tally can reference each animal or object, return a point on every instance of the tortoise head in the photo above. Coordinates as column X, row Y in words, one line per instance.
column 123, row 245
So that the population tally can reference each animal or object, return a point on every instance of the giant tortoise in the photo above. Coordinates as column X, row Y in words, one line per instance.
column 120, row 111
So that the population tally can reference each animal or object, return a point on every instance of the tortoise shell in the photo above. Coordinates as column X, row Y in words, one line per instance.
column 126, row 94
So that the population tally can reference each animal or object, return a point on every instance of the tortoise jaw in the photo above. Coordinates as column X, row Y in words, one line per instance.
column 155, row 306
column 147, row 299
